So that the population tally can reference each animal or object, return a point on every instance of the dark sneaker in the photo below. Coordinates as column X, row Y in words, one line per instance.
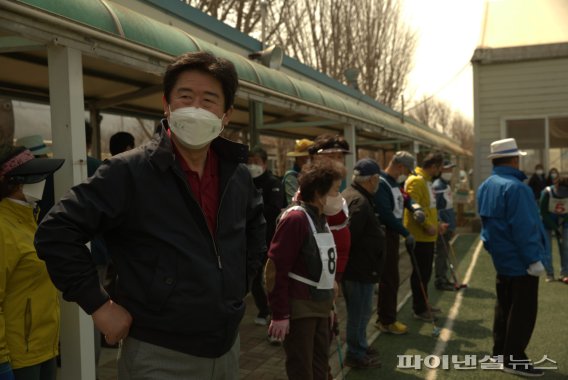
column 372, row 353
column 261, row 321
column 525, row 370
column 436, row 310
column 425, row 316
column 447, row 286
column 365, row 362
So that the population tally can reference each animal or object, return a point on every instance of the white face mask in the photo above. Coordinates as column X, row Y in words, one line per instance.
column 333, row 205
column 447, row 177
column 195, row 127
column 539, row 172
column 553, row 175
column 33, row 191
column 401, row 178
column 255, row 170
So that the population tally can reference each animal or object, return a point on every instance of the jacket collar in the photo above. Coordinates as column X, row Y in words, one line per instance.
column 508, row 170
column 18, row 210
column 363, row 191
column 313, row 211
column 161, row 151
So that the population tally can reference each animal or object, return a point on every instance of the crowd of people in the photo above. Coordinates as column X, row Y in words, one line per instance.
column 184, row 226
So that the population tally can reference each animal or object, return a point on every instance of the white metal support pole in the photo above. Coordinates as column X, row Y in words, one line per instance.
column 256, row 122
column 415, row 149
column 545, row 153
column 350, row 135
column 68, row 133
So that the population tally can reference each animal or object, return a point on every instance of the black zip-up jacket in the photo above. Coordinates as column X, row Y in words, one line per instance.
column 366, row 254
column 183, row 288
column 273, row 200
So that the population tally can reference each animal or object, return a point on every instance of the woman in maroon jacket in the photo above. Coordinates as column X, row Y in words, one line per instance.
column 300, row 274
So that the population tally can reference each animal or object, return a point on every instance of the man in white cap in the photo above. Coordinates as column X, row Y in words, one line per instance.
column 514, row 236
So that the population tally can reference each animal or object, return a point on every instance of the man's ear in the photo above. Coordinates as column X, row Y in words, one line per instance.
column 227, row 117
column 166, row 107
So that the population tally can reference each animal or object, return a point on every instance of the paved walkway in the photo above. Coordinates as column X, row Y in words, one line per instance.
column 259, row 359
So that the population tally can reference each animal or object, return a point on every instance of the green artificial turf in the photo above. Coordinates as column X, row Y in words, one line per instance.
column 472, row 329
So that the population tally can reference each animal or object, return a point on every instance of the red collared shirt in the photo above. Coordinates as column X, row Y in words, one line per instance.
column 204, row 189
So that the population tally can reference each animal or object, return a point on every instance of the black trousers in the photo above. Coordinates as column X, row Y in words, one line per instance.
column 258, row 292
column 515, row 315
column 441, row 258
column 421, row 270
column 390, row 279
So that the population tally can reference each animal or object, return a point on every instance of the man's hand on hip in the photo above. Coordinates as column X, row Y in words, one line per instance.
column 113, row 321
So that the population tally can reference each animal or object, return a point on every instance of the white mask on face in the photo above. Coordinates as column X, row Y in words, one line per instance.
column 195, row 127
column 553, row 175
column 333, row 205
column 539, row 172
column 401, row 178
column 255, row 170
column 447, row 177
column 33, row 191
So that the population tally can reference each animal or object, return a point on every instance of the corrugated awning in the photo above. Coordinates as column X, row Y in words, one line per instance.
column 125, row 24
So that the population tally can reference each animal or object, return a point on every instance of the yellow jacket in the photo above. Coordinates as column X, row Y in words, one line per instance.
column 419, row 187
column 29, row 304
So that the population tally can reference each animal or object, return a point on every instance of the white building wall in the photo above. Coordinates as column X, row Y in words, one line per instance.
column 509, row 90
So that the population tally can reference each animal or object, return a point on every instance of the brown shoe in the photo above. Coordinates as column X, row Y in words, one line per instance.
column 365, row 362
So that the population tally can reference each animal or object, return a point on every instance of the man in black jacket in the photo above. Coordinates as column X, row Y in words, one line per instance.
column 365, row 263
column 183, row 222
column 273, row 200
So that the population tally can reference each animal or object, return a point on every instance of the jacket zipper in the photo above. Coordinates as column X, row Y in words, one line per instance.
column 217, row 222
column 205, row 218
column 28, row 323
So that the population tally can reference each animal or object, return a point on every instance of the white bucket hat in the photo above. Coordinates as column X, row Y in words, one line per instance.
column 505, row 148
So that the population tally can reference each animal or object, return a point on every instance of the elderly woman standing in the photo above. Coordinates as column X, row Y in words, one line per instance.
column 29, row 305
column 300, row 273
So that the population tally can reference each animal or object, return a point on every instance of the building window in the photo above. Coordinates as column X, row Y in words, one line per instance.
column 558, row 138
column 530, row 136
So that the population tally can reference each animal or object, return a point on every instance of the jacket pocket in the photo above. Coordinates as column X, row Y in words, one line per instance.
column 28, row 323
column 164, row 281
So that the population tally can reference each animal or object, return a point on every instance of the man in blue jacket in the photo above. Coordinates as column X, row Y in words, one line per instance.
column 514, row 236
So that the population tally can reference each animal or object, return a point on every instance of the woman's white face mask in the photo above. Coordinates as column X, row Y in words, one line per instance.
column 33, row 191
column 195, row 127
column 333, row 205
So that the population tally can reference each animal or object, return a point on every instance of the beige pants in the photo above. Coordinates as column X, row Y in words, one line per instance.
column 139, row 360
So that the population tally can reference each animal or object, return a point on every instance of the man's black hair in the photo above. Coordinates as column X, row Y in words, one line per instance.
column 499, row 161
column 219, row 68
column 119, row 142
column 432, row 159
column 260, row 152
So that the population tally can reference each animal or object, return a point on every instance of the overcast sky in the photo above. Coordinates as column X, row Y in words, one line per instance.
column 448, row 33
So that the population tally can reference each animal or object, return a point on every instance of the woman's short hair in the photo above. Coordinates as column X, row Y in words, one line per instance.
column 317, row 178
